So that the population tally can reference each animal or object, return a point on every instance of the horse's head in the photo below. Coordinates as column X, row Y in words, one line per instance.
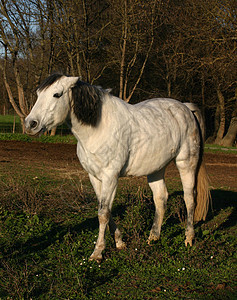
column 52, row 105
column 56, row 96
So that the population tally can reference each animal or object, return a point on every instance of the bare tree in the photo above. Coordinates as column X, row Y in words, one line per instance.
column 229, row 139
column 221, row 60
column 178, row 49
column 201, row 49
column 131, row 37
column 24, row 53
column 11, row 40
column 78, row 28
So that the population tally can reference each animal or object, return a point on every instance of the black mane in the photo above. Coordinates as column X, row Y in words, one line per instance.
column 87, row 103
column 49, row 81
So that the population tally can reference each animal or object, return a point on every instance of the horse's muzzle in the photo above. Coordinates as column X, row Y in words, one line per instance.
column 32, row 127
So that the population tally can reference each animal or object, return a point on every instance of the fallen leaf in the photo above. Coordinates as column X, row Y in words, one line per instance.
column 157, row 289
column 220, row 286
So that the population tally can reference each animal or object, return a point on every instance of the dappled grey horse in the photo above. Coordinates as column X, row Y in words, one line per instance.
column 119, row 139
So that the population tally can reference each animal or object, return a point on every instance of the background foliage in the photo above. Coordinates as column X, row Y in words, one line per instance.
column 180, row 49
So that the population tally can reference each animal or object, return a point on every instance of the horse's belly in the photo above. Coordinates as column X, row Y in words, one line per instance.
column 147, row 161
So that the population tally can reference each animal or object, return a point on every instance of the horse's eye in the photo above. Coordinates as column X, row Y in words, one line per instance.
column 58, row 95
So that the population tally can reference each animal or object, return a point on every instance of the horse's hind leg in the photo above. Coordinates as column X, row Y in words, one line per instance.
column 160, row 196
column 187, row 170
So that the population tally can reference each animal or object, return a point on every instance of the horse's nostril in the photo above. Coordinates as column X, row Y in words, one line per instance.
column 33, row 124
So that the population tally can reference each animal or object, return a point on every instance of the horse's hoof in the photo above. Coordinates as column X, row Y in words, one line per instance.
column 98, row 260
column 152, row 238
column 96, row 257
column 121, row 245
column 188, row 242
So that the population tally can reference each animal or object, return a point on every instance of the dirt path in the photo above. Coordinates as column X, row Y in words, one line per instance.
column 222, row 168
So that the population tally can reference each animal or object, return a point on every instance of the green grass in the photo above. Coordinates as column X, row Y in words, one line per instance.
column 9, row 119
column 6, row 127
column 48, row 227
column 217, row 148
column 6, row 124
column 69, row 139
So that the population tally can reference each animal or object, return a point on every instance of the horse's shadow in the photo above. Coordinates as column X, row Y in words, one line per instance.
column 221, row 199
column 56, row 233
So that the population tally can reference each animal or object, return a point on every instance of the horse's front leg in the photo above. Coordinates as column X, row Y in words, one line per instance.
column 103, row 216
column 105, row 191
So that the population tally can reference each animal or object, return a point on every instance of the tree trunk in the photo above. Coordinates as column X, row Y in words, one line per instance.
column 169, row 87
column 141, row 72
column 23, row 124
column 230, row 137
column 123, row 53
column 9, row 92
column 203, row 96
column 221, row 129
column 21, row 96
column 14, row 124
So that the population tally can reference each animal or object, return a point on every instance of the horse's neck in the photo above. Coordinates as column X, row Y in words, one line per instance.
column 81, row 131
column 113, row 112
column 84, row 132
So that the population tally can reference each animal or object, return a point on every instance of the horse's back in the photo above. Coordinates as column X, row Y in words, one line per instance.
column 164, row 116
column 162, row 128
column 163, row 107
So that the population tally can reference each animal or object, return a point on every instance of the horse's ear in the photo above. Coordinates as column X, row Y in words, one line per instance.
column 86, row 103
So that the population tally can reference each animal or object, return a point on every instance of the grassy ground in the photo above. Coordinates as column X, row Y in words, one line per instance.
column 10, row 127
column 9, row 119
column 217, row 148
column 9, row 124
column 48, row 227
column 43, row 138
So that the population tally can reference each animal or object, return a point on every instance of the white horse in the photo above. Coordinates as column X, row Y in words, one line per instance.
column 119, row 139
